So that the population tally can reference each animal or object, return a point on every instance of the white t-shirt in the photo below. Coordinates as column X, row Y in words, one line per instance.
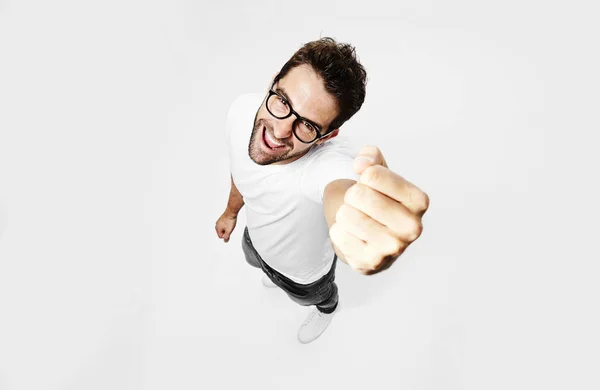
column 284, row 203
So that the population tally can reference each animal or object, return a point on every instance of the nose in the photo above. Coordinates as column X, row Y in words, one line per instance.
column 283, row 127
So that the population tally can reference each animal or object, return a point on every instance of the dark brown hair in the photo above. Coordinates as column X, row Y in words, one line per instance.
column 344, row 77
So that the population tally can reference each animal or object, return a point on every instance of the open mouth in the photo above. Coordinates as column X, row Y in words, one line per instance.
column 268, row 143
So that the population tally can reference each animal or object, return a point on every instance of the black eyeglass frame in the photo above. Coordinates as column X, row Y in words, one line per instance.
column 298, row 117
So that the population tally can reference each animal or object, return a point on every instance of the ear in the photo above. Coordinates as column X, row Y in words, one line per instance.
column 331, row 135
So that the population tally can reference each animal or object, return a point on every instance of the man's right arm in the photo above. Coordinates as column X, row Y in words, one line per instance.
column 236, row 201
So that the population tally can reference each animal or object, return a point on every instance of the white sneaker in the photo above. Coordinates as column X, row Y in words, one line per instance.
column 267, row 282
column 315, row 325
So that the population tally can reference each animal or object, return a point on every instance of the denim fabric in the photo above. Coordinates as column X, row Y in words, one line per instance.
column 323, row 293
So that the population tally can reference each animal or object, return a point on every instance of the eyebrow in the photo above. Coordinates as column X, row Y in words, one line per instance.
column 285, row 95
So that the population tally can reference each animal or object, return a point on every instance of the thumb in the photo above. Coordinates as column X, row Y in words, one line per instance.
column 368, row 155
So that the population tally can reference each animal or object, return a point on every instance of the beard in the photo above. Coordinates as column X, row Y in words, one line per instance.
column 259, row 155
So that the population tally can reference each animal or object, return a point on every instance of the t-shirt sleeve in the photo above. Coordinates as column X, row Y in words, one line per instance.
column 229, row 121
column 331, row 163
column 234, row 116
column 228, row 126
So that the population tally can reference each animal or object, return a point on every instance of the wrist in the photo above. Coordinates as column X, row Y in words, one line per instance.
column 230, row 214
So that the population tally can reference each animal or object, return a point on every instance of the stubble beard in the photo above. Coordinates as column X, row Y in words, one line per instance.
column 255, row 149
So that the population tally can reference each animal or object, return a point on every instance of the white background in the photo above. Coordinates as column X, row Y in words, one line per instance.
column 113, row 171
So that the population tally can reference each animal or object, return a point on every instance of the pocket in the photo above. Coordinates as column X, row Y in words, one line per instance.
column 297, row 292
column 306, row 292
column 250, row 256
column 247, row 237
column 323, row 289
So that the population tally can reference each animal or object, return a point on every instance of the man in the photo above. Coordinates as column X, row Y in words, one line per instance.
column 307, row 204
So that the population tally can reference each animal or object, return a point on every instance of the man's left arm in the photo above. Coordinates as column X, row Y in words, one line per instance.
column 372, row 222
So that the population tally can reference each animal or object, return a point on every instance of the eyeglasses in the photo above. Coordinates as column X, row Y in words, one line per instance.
column 304, row 129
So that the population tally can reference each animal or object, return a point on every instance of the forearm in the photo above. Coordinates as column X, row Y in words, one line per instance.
column 333, row 199
column 236, row 201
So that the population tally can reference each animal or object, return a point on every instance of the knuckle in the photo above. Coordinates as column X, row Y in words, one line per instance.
column 425, row 202
column 353, row 194
column 396, row 246
column 415, row 230
column 342, row 213
column 333, row 232
column 372, row 174
column 370, row 149
column 374, row 262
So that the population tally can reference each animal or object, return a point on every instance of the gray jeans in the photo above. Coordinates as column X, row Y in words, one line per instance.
column 323, row 293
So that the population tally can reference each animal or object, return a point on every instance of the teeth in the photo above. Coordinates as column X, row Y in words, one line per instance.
column 271, row 139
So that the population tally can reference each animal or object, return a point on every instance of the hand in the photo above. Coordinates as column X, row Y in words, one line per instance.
column 225, row 225
column 381, row 215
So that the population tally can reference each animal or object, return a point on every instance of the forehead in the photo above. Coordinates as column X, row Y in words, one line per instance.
column 307, row 95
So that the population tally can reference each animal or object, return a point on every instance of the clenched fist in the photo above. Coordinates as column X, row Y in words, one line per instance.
column 380, row 217
column 225, row 225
